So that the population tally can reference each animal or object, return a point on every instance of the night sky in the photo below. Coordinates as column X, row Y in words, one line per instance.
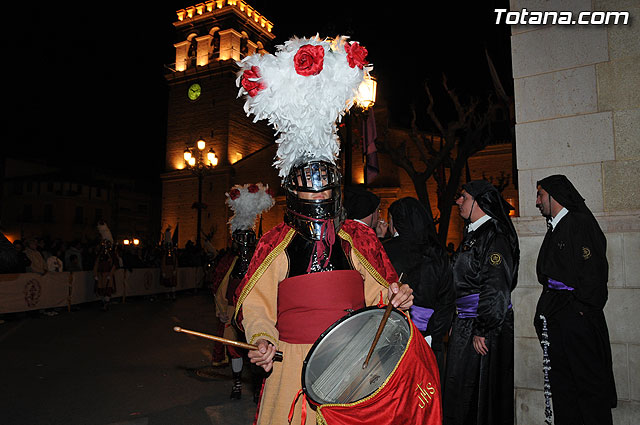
column 86, row 84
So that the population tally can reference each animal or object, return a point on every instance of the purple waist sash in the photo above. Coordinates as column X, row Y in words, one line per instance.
column 420, row 316
column 467, row 306
column 558, row 286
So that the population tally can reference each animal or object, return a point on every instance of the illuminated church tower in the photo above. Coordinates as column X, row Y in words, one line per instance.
column 203, row 106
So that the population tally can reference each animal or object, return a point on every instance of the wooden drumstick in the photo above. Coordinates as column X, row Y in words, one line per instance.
column 383, row 322
column 277, row 358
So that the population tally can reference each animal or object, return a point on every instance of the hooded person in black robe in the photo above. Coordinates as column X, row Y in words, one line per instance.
column 572, row 267
column 416, row 253
column 478, row 386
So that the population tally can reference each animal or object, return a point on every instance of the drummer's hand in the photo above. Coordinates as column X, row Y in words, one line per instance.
column 404, row 296
column 223, row 317
column 479, row 345
column 263, row 356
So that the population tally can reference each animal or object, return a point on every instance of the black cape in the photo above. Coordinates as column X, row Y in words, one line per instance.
column 574, row 253
column 424, row 263
column 478, row 389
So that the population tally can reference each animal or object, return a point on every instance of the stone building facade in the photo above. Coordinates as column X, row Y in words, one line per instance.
column 577, row 94
column 203, row 105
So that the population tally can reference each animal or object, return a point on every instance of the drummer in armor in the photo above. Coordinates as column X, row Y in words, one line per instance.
column 247, row 201
column 315, row 267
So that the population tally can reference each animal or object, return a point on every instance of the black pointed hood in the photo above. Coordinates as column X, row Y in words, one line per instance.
column 563, row 191
column 411, row 221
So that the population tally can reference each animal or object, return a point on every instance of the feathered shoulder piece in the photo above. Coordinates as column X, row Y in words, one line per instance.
column 247, row 202
column 302, row 91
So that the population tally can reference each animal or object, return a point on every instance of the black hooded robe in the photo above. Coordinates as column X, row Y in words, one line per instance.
column 574, row 253
column 478, row 389
column 424, row 263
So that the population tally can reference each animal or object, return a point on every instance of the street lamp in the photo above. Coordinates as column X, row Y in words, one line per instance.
column 366, row 95
column 196, row 162
column 365, row 99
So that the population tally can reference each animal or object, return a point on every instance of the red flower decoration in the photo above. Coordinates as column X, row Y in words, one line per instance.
column 253, row 188
column 271, row 192
column 309, row 60
column 356, row 55
column 248, row 81
column 234, row 194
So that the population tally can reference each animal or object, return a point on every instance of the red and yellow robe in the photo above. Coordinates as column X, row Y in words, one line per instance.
column 256, row 310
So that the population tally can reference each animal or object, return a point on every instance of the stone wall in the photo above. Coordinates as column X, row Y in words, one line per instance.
column 577, row 94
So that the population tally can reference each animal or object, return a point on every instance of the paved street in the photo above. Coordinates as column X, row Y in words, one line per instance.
column 126, row 366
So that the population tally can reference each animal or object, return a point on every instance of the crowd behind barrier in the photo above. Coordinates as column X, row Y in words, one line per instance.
column 40, row 274
column 81, row 256
column 32, row 291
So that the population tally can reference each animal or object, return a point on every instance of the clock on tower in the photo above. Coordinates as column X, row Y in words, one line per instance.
column 194, row 91
column 211, row 36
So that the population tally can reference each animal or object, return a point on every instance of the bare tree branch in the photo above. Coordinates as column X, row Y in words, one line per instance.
column 469, row 132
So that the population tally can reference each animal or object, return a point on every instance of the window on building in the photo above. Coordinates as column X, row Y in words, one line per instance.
column 27, row 213
column 16, row 188
column 79, row 217
column 98, row 214
column 47, row 213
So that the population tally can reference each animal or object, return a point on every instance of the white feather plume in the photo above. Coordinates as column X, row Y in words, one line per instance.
column 247, row 203
column 303, row 110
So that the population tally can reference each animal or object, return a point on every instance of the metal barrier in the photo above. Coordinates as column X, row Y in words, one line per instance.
column 32, row 291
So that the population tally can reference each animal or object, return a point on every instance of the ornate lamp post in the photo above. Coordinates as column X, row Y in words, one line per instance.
column 366, row 96
column 200, row 165
column 365, row 99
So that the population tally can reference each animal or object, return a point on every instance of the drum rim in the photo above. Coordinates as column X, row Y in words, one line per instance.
column 329, row 329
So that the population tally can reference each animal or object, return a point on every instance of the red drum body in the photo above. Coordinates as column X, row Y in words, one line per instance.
column 401, row 383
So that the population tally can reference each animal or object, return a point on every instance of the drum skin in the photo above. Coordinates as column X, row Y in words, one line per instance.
column 410, row 395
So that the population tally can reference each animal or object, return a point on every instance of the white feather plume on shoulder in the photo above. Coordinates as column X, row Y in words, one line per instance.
column 303, row 109
column 247, row 202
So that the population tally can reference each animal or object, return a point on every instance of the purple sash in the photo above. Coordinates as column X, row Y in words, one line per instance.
column 420, row 316
column 558, row 286
column 467, row 306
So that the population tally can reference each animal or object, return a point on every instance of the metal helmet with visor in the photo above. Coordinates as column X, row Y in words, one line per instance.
column 313, row 196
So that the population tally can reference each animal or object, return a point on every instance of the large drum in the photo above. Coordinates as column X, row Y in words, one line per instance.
column 399, row 385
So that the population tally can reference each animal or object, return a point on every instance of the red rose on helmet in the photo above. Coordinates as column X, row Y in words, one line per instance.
column 356, row 55
column 309, row 60
column 248, row 81
column 234, row 194
column 253, row 188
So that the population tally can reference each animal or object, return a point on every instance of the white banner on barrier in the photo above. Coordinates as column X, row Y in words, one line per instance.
column 32, row 291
